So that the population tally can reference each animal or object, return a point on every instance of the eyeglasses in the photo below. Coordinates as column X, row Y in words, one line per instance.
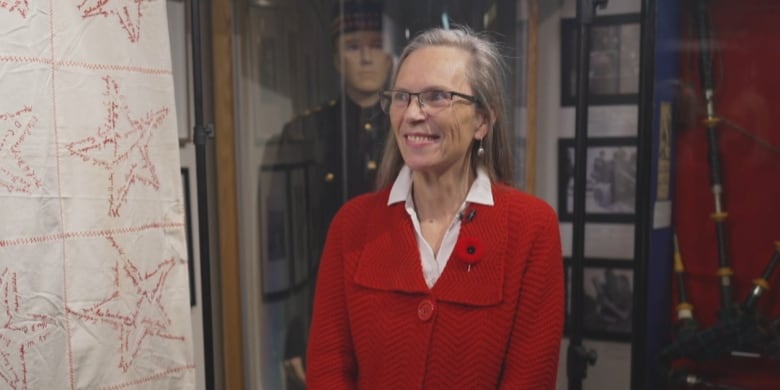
column 431, row 101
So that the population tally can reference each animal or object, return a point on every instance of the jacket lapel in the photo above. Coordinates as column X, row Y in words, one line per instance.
column 483, row 284
column 390, row 259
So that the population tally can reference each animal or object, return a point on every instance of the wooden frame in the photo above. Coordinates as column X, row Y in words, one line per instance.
column 231, row 362
column 532, row 76
column 614, row 62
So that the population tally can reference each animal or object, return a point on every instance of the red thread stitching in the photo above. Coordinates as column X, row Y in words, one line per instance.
column 150, row 378
column 129, row 15
column 147, row 318
column 88, row 234
column 121, row 147
column 20, row 6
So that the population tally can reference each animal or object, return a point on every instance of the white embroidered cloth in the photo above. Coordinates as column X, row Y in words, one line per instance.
column 93, row 262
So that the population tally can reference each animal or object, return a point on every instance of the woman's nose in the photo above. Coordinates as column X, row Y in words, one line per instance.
column 415, row 109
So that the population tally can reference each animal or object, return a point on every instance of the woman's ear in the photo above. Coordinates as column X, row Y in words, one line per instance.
column 486, row 121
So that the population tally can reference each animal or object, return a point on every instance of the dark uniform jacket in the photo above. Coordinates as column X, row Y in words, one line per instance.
column 315, row 143
column 317, row 140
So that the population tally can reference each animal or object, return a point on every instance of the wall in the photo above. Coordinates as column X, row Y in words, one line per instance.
column 613, row 367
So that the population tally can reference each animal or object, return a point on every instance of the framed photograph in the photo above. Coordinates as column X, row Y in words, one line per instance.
column 614, row 60
column 613, row 241
column 299, row 212
column 185, row 182
column 608, row 295
column 610, row 182
column 275, row 228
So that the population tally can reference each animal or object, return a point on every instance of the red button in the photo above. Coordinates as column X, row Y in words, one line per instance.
column 425, row 310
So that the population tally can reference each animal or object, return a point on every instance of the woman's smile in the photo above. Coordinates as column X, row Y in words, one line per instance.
column 418, row 139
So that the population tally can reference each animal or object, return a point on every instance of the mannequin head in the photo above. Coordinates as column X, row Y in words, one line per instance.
column 359, row 54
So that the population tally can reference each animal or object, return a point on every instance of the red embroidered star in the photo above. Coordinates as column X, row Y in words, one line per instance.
column 19, row 333
column 121, row 146
column 20, row 6
column 128, row 12
column 16, row 175
column 134, row 308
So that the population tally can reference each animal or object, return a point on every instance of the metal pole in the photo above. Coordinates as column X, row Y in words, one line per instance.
column 641, row 363
column 201, row 134
column 578, row 357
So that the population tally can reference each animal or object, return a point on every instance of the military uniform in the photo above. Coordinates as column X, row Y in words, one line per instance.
column 317, row 139
column 339, row 144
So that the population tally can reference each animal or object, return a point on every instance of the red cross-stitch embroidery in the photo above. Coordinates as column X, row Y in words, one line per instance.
column 19, row 333
column 121, row 146
column 134, row 308
column 16, row 175
column 20, row 6
column 127, row 11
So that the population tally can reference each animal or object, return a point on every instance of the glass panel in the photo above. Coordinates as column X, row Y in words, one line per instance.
column 718, row 164
column 310, row 137
column 611, row 173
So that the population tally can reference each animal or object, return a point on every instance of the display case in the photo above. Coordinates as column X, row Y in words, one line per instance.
column 714, row 240
column 675, row 148
column 310, row 134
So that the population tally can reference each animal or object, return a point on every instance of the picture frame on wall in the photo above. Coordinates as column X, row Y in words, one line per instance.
column 275, row 228
column 610, row 183
column 614, row 60
column 188, row 232
column 608, row 295
column 299, row 232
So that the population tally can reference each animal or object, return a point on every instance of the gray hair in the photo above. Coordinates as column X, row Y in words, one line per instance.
column 486, row 74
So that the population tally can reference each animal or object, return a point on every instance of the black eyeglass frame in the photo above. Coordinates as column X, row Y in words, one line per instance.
column 387, row 94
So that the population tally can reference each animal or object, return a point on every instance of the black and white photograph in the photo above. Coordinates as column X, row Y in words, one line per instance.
column 607, row 299
column 610, row 182
column 614, row 60
column 274, row 233
column 608, row 302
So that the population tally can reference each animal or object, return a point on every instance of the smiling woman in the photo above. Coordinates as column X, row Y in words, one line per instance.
column 309, row 82
column 444, row 194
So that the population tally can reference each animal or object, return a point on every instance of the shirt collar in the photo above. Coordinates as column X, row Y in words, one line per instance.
column 480, row 192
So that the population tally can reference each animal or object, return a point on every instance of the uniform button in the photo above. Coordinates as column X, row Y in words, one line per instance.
column 371, row 165
column 425, row 310
column 368, row 126
column 329, row 177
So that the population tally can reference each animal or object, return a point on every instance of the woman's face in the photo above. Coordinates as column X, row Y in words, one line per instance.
column 430, row 139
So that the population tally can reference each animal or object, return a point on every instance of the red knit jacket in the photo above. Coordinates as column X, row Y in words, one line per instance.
column 377, row 325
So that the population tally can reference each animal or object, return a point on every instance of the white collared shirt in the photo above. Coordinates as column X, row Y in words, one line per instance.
column 433, row 265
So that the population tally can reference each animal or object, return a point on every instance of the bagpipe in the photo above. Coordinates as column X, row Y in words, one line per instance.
column 740, row 328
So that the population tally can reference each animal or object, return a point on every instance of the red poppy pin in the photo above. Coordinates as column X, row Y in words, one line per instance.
column 469, row 250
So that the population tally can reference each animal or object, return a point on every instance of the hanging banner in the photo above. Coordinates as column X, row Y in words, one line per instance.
column 93, row 261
